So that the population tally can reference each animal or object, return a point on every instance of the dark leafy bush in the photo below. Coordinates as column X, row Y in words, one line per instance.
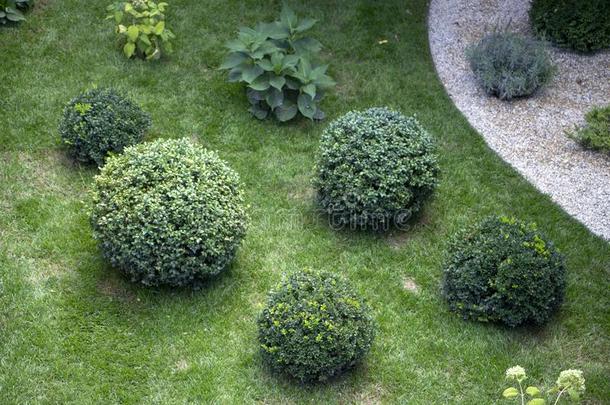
column 101, row 121
column 596, row 134
column 314, row 326
column 374, row 168
column 503, row 270
column 581, row 25
column 280, row 68
column 12, row 10
column 508, row 65
column 168, row 212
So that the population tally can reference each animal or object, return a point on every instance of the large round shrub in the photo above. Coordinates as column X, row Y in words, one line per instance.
column 503, row 270
column 168, row 212
column 314, row 326
column 509, row 65
column 101, row 121
column 581, row 25
column 374, row 168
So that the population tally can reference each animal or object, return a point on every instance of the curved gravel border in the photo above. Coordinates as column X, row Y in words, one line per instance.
column 529, row 133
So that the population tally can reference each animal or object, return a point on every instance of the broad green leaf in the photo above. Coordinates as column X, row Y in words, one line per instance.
column 129, row 49
column 259, row 112
column 305, row 24
column 261, row 83
column 132, row 33
column 536, row 401
column 234, row 59
column 288, row 17
column 574, row 395
column 309, row 89
column 118, row 16
column 306, row 105
column 144, row 39
column 250, row 73
column 273, row 30
column 236, row 46
column 511, row 392
column 274, row 98
column 159, row 27
column 265, row 64
column 307, row 45
column 277, row 82
column 286, row 111
column 235, row 75
column 532, row 391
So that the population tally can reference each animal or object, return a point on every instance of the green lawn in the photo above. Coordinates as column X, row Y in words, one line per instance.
column 72, row 329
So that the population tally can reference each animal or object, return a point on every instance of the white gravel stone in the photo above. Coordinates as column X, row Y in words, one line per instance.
column 529, row 133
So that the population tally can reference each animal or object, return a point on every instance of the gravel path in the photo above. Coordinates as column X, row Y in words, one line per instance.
column 529, row 133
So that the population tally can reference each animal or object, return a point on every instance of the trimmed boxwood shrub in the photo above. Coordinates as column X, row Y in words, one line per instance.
column 101, row 121
column 509, row 65
column 314, row 326
column 168, row 212
column 503, row 270
column 581, row 25
column 374, row 168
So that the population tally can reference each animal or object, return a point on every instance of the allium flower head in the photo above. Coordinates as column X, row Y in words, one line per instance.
column 516, row 373
column 571, row 379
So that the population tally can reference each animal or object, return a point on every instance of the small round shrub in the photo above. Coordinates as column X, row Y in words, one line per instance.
column 503, row 270
column 168, row 212
column 595, row 134
column 374, row 168
column 314, row 326
column 101, row 121
column 580, row 25
column 508, row 65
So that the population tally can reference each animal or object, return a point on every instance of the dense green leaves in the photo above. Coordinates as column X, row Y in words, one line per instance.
column 12, row 10
column 503, row 270
column 99, row 122
column 509, row 65
column 596, row 133
column 314, row 326
column 374, row 168
column 576, row 24
column 275, row 57
column 141, row 24
column 168, row 213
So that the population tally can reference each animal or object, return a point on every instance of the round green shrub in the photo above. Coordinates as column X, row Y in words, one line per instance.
column 168, row 212
column 101, row 121
column 374, row 168
column 314, row 326
column 595, row 134
column 509, row 65
column 503, row 270
column 581, row 25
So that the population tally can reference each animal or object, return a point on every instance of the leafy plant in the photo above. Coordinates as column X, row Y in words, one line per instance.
column 569, row 382
column 12, row 10
column 141, row 25
column 596, row 134
column 280, row 68
column 374, row 168
column 583, row 26
column 168, row 212
column 509, row 65
column 101, row 121
column 503, row 270
column 314, row 326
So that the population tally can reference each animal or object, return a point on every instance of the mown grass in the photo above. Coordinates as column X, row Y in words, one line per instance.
column 74, row 330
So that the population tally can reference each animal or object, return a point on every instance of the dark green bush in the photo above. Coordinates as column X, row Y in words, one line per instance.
column 596, row 134
column 314, row 326
column 168, row 212
column 12, row 10
column 581, row 25
column 101, row 121
column 374, row 168
column 503, row 270
column 508, row 65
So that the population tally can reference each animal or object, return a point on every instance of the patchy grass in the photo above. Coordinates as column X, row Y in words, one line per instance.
column 74, row 330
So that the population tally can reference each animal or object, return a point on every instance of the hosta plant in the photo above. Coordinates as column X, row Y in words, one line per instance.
column 12, row 10
column 141, row 25
column 280, row 68
column 570, row 384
